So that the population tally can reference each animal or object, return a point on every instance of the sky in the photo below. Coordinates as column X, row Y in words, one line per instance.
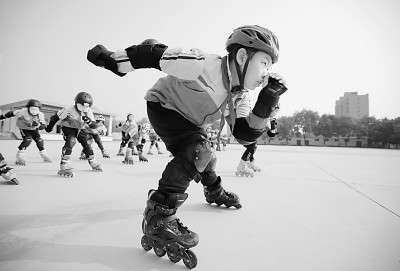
column 326, row 48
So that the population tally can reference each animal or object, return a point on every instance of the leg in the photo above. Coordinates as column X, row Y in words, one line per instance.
column 69, row 135
column 26, row 141
column 87, row 149
column 40, row 145
column 250, row 157
column 129, row 154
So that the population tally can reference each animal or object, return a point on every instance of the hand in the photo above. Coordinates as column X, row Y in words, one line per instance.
column 86, row 119
column 48, row 129
column 276, row 76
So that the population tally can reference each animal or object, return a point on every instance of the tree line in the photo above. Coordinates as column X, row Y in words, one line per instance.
column 380, row 133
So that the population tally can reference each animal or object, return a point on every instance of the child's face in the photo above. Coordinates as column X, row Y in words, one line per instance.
column 257, row 70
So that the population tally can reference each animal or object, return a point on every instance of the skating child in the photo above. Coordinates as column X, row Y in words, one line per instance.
column 129, row 127
column 72, row 119
column 153, row 137
column 135, row 138
column 224, row 140
column 6, row 172
column 192, row 96
column 29, row 120
column 94, row 135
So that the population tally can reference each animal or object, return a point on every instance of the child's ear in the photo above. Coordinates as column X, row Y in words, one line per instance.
column 241, row 56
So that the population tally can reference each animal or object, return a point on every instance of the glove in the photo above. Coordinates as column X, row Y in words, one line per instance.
column 86, row 119
column 101, row 57
column 268, row 98
column 2, row 117
column 48, row 129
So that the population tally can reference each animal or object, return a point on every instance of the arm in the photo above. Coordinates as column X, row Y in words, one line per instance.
column 7, row 115
column 53, row 120
column 144, row 55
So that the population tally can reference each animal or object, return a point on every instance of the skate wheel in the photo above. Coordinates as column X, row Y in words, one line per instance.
column 159, row 251
column 173, row 257
column 192, row 262
column 98, row 170
column 145, row 243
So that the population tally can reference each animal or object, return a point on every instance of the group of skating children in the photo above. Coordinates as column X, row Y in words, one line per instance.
column 78, row 123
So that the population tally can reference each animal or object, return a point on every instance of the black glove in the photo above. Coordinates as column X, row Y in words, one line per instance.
column 101, row 57
column 86, row 119
column 268, row 98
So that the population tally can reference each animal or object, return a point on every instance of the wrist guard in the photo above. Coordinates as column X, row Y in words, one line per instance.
column 268, row 98
column 101, row 57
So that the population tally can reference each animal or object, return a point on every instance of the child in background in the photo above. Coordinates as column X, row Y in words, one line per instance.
column 94, row 135
column 72, row 119
column 129, row 127
column 153, row 142
column 29, row 120
column 6, row 172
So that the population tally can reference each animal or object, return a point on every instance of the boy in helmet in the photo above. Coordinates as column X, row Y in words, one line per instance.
column 129, row 127
column 193, row 95
column 6, row 172
column 135, row 138
column 29, row 120
column 153, row 137
column 72, row 119
column 94, row 135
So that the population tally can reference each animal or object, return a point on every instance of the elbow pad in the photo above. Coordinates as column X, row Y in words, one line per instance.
column 244, row 132
column 146, row 55
column 9, row 114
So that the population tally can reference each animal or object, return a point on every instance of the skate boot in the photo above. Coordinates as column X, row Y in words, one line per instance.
column 142, row 158
column 150, row 152
column 243, row 170
column 21, row 158
column 105, row 154
column 6, row 173
column 134, row 152
column 252, row 166
column 217, row 194
column 121, row 152
column 96, row 166
column 46, row 158
column 128, row 158
column 164, row 232
column 65, row 168
column 83, row 156
column 159, row 151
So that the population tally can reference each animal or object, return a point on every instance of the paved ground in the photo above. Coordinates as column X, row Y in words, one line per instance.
column 309, row 209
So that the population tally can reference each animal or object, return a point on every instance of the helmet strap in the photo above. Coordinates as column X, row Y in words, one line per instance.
column 242, row 74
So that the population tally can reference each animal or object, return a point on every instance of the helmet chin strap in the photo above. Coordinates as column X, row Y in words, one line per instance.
column 242, row 74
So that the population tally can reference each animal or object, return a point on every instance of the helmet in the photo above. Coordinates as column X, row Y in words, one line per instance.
column 127, row 117
column 149, row 42
column 84, row 97
column 100, row 118
column 256, row 37
column 145, row 128
column 33, row 102
column 152, row 131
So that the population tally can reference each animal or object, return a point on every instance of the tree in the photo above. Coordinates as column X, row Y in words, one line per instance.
column 285, row 127
column 345, row 127
column 324, row 126
column 305, row 121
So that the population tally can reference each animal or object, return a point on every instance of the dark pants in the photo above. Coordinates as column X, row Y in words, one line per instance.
column 180, row 137
column 28, row 136
column 70, row 136
column 248, row 154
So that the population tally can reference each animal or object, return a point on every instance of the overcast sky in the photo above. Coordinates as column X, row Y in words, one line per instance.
column 327, row 48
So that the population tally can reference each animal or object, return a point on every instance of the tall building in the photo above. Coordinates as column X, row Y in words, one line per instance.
column 353, row 105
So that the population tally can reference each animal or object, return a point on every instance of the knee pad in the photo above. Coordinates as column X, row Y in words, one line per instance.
column 39, row 143
column 69, row 144
column 131, row 145
column 201, row 154
column 26, row 141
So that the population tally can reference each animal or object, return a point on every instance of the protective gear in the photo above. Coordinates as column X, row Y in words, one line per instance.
column 100, row 118
column 33, row 110
column 82, row 107
column 34, row 103
column 268, row 98
column 52, row 122
column 146, row 55
column 82, row 98
column 202, row 155
column 101, row 57
column 255, row 37
column 149, row 42
column 145, row 128
column 86, row 119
